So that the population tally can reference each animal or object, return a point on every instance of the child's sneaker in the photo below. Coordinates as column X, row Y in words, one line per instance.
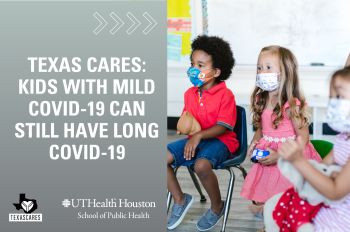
column 209, row 219
column 178, row 212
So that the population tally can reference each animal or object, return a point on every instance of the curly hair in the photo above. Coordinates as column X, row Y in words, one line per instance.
column 288, row 90
column 220, row 52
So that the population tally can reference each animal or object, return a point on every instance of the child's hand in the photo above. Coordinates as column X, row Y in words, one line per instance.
column 251, row 149
column 334, row 175
column 191, row 146
column 292, row 150
column 271, row 159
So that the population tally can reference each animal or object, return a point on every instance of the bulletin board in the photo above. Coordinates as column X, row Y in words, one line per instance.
column 181, row 29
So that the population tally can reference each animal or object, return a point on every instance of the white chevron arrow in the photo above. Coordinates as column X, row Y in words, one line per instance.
column 134, row 26
column 153, row 22
column 116, row 28
column 102, row 25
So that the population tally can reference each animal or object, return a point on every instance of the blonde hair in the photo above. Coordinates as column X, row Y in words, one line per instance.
column 288, row 90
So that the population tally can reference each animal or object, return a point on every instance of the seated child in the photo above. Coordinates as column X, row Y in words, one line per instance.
column 334, row 217
column 214, row 107
column 278, row 109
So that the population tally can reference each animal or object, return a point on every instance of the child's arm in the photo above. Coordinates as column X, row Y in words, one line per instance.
column 193, row 142
column 257, row 136
column 333, row 189
column 302, row 132
column 348, row 62
column 225, row 121
column 211, row 132
column 329, row 159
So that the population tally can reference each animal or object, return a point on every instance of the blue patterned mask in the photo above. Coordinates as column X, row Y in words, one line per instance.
column 197, row 76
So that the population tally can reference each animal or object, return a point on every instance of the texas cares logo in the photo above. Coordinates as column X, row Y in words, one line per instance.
column 28, row 206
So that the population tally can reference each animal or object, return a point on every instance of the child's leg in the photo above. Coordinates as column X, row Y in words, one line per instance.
column 257, row 209
column 204, row 171
column 172, row 182
column 182, row 202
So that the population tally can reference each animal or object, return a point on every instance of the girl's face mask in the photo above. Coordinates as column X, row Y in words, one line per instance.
column 198, row 77
column 267, row 81
column 338, row 114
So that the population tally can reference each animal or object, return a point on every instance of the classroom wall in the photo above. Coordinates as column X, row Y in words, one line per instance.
column 316, row 31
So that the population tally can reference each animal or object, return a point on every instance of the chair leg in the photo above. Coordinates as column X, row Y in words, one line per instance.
column 240, row 167
column 228, row 198
column 244, row 172
column 198, row 187
column 168, row 202
column 169, row 194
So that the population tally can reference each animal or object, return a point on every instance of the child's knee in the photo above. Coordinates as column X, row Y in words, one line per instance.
column 202, row 167
column 170, row 158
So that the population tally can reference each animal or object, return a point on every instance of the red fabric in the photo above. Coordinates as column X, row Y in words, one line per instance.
column 216, row 106
column 291, row 211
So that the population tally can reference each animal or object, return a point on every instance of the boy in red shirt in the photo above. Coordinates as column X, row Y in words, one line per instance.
column 214, row 107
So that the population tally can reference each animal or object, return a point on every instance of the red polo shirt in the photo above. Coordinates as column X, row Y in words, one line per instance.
column 215, row 106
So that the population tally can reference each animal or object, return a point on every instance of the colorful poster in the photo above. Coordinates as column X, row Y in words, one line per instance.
column 179, row 25
column 179, row 22
column 205, row 16
column 174, row 40
column 174, row 47
column 174, row 54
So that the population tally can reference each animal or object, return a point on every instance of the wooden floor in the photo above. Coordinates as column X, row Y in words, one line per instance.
column 240, row 218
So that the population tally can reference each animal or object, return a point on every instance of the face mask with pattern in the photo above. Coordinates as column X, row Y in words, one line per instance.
column 267, row 81
column 198, row 77
column 338, row 111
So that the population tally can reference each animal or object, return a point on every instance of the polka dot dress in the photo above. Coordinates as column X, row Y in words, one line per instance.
column 291, row 211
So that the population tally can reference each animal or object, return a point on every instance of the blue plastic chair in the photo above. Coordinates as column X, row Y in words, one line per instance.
column 240, row 154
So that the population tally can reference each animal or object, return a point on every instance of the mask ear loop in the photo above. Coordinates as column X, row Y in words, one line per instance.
column 209, row 72
column 280, row 77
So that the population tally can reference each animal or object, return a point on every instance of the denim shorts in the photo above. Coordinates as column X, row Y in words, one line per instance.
column 210, row 149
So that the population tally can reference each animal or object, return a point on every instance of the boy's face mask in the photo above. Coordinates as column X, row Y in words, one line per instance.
column 267, row 81
column 338, row 114
column 198, row 77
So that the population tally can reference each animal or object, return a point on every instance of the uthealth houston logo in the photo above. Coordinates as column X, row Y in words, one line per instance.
column 112, row 203
column 28, row 206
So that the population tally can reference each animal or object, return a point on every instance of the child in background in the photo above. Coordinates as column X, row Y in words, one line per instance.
column 334, row 217
column 214, row 107
column 278, row 108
